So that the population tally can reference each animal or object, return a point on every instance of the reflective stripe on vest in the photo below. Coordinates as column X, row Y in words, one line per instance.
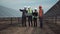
column 34, row 16
column 30, row 12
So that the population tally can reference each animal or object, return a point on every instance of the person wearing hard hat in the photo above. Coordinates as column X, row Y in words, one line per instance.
column 41, row 16
column 30, row 16
column 24, row 11
column 35, row 14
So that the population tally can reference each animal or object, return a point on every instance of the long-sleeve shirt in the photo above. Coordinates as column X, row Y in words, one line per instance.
column 24, row 12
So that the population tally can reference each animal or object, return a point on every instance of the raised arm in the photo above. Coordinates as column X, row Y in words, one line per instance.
column 21, row 10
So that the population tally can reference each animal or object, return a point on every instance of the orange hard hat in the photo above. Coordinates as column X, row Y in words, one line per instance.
column 40, row 6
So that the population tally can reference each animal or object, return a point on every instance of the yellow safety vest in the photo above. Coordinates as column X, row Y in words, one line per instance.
column 29, row 12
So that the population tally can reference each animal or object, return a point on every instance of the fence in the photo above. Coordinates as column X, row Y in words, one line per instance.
column 10, row 20
column 55, row 20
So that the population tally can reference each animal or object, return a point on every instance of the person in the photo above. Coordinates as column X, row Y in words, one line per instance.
column 24, row 11
column 35, row 14
column 30, row 16
column 41, row 16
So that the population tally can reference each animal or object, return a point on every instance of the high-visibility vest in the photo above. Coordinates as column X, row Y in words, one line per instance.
column 40, row 12
column 29, row 12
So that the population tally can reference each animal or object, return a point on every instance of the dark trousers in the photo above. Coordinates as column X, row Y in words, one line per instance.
column 35, row 22
column 30, row 20
column 23, row 21
column 41, row 22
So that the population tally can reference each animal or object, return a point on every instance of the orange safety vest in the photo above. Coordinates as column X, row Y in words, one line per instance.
column 40, row 12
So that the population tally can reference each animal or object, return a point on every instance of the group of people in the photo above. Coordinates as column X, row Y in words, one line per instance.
column 32, row 16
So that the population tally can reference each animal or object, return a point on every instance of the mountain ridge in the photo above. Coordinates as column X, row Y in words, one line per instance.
column 8, row 12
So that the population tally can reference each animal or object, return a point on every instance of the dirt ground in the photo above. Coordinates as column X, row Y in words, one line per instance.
column 27, row 30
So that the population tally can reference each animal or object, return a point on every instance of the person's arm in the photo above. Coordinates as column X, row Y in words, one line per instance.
column 37, row 13
column 26, row 11
column 21, row 10
column 32, row 13
column 42, row 11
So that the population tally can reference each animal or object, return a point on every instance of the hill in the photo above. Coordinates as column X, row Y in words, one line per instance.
column 8, row 12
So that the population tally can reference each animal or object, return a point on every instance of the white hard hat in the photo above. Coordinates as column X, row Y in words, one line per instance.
column 29, row 7
column 25, row 6
column 36, row 8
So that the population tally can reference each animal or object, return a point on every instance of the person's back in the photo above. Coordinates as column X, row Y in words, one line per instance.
column 40, row 11
column 41, row 16
column 35, row 14
column 24, row 11
column 29, row 16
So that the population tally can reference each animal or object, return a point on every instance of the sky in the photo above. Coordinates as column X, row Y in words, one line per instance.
column 17, row 4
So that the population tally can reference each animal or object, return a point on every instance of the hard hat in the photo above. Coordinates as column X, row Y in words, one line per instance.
column 35, row 8
column 29, row 7
column 25, row 6
column 40, row 6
